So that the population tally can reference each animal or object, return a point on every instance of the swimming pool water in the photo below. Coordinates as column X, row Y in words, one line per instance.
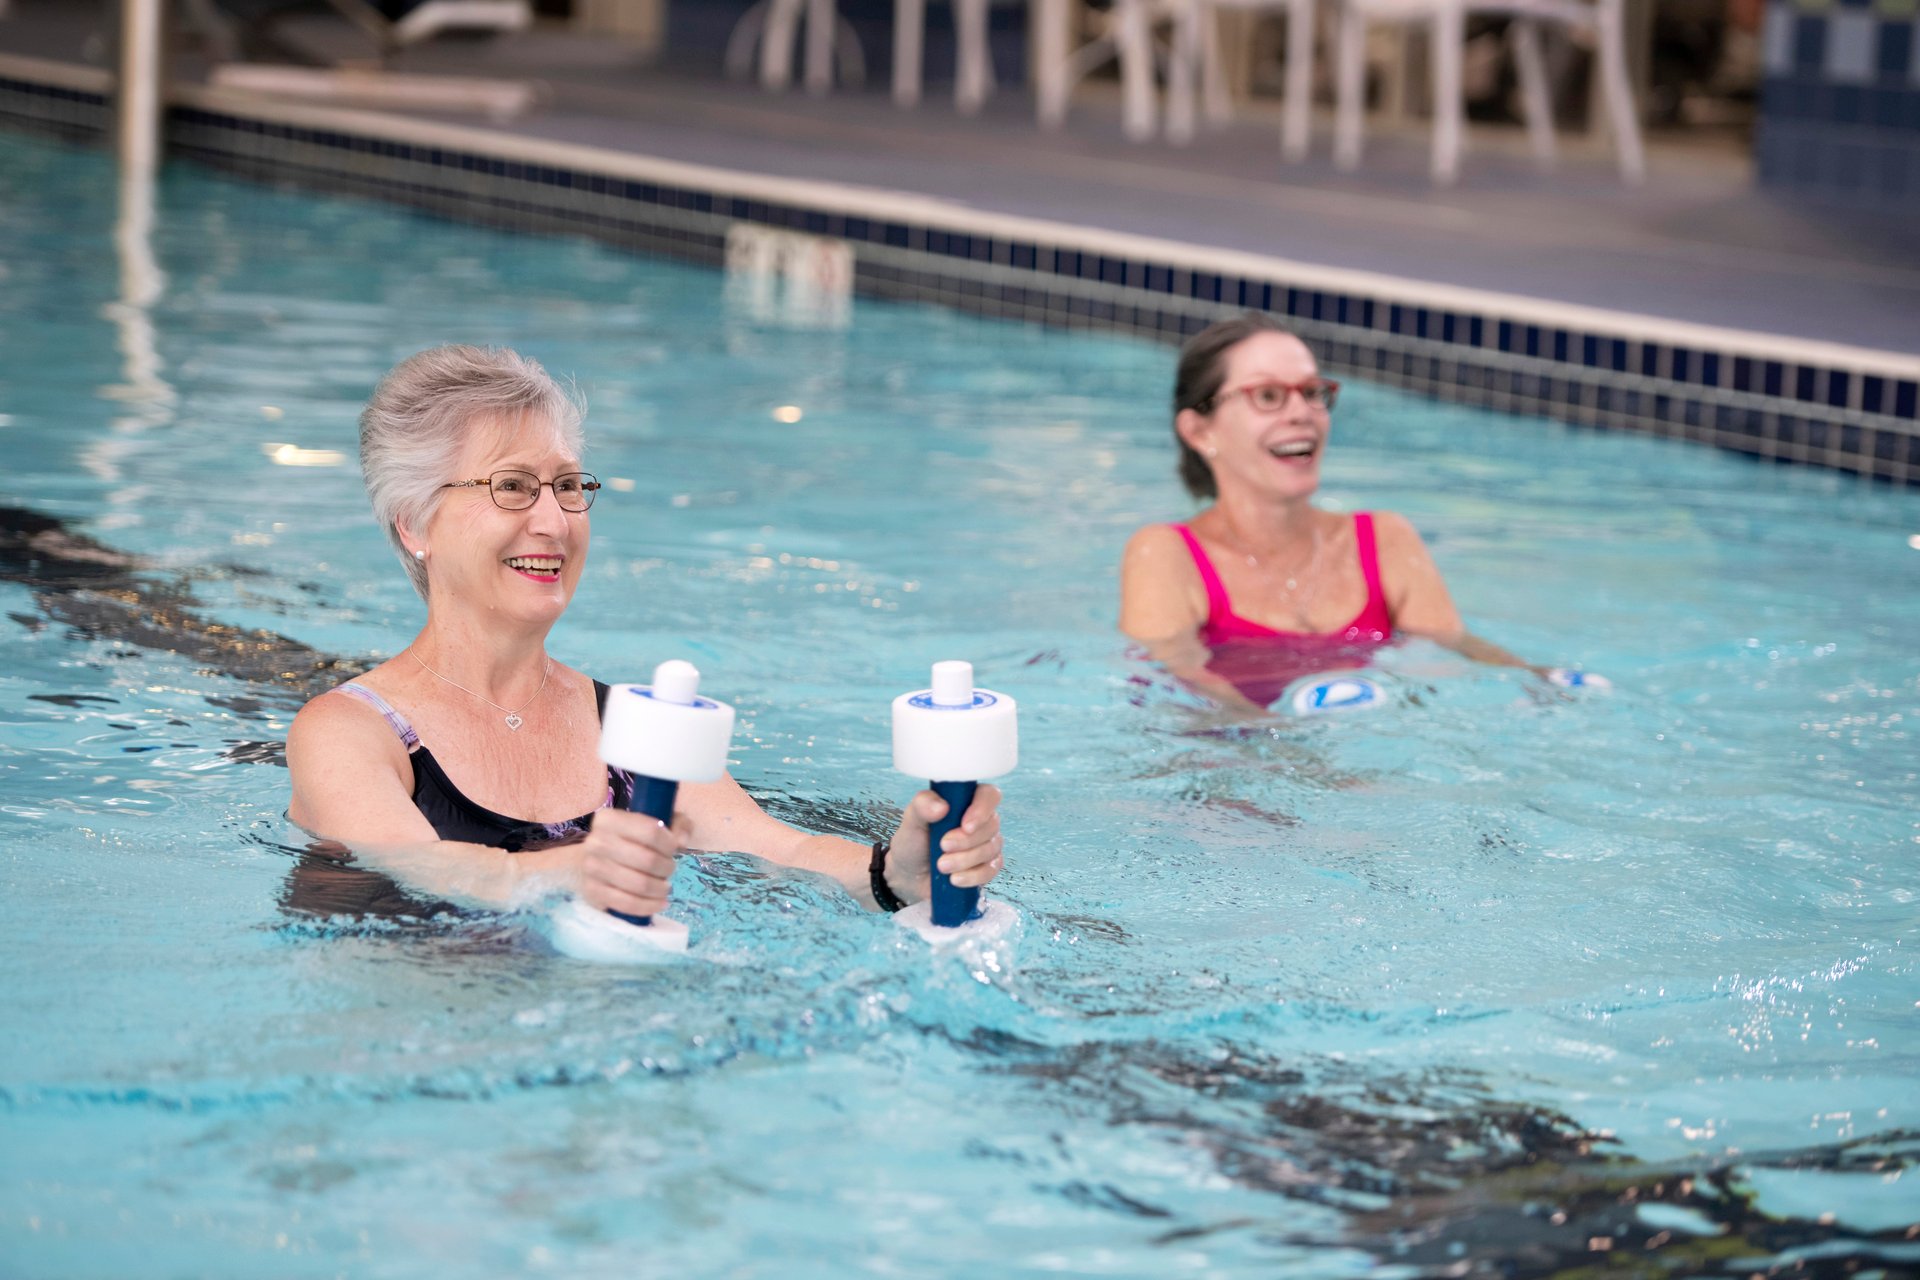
column 1486, row 981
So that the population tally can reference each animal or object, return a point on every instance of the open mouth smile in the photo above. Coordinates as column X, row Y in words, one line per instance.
column 539, row 568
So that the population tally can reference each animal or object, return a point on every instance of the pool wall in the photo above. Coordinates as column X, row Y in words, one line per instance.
column 1841, row 407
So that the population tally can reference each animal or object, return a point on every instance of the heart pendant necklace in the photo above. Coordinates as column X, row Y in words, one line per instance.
column 513, row 720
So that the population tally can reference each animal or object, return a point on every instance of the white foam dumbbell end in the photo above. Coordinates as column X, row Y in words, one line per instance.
column 1323, row 694
column 953, row 732
column 667, row 730
column 1567, row 678
column 587, row 933
column 995, row 921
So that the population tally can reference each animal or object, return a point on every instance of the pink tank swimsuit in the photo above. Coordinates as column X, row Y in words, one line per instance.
column 1261, row 662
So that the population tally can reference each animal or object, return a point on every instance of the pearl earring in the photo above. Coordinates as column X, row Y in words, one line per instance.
column 420, row 555
column 1211, row 453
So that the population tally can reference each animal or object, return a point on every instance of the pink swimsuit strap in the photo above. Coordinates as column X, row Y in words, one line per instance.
column 1373, row 624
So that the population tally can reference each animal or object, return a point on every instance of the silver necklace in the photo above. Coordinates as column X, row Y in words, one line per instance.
column 513, row 717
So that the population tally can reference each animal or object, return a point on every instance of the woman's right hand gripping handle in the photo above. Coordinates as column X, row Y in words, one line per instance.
column 627, row 861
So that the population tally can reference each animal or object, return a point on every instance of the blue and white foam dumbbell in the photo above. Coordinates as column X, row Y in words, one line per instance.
column 1322, row 694
column 955, row 736
column 663, row 734
column 1567, row 678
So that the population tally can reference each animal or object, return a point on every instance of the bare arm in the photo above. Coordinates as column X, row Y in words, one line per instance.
column 1417, row 595
column 722, row 816
column 1162, row 606
column 352, row 783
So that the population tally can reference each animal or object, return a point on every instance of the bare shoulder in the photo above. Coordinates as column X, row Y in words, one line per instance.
column 1393, row 531
column 333, row 721
column 1155, row 543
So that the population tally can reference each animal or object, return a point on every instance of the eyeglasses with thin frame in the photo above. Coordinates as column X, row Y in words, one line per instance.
column 518, row 490
column 1271, row 397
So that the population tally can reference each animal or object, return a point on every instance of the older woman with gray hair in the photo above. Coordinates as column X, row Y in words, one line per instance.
column 468, row 764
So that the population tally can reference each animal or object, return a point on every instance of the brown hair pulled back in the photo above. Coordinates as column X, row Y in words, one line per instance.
column 1202, row 371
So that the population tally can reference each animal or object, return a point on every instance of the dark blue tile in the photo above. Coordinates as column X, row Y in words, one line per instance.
column 1590, row 351
column 1803, row 380
column 1562, row 345
column 1681, row 370
column 1532, row 346
column 1476, row 331
column 1839, row 386
column 1850, row 441
column 1649, row 360
column 1709, row 371
column 1421, row 318
column 1507, row 336
column 896, row 235
column 1773, row 378
column 1905, row 394
column 1873, row 391
column 1886, row 446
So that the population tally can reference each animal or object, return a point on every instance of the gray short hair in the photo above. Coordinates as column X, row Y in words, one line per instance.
column 420, row 418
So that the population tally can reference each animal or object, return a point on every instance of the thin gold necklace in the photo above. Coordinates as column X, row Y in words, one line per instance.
column 513, row 720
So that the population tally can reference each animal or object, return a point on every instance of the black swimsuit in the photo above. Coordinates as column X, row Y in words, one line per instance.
column 455, row 817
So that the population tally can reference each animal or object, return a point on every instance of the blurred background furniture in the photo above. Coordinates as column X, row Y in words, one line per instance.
column 1600, row 21
column 774, row 27
column 236, row 29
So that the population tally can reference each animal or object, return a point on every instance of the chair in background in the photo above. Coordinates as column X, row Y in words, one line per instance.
column 775, row 25
column 1602, row 20
column 1126, row 36
column 973, row 58
column 1197, row 46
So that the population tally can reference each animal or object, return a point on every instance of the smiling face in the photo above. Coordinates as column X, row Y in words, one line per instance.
column 1274, row 451
column 513, row 566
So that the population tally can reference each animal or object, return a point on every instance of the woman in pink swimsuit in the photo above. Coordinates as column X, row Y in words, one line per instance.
column 1262, row 587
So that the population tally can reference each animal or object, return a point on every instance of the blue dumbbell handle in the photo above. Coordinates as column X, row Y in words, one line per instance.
column 952, row 905
column 653, row 797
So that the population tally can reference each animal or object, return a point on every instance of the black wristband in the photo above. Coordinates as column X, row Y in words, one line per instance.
column 883, row 895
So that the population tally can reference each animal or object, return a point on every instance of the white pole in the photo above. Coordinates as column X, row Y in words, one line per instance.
column 139, row 87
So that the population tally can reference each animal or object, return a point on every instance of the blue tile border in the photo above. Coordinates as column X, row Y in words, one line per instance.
column 1805, row 411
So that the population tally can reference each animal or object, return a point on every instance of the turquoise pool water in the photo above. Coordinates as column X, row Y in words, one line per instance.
column 1484, row 982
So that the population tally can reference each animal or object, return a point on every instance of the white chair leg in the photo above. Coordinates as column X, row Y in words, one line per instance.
column 909, row 28
column 1449, row 105
column 1296, row 121
column 1133, row 37
column 1183, row 68
column 1215, row 99
column 821, row 19
column 1350, row 101
column 973, row 62
column 776, row 43
column 1051, row 37
column 1623, row 117
column 1534, row 97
